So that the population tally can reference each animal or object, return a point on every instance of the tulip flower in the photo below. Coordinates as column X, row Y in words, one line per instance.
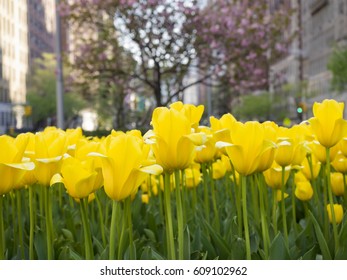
column 78, row 178
column 218, row 169
column 193, row 113
column 192, row 176
column 50, row 148
column 247, row 148
column 273, row 176
column 306, row 169
column 122, row 166
column 340, row 163
column 337, row 184
column 303, row 190
column 328, row 124
column 12, row 166
column 173, row 143
column 338, row 210
column 319, row 151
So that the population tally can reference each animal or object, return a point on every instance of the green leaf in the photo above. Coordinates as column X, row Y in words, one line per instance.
column 219, row 242
column 150, row 234
column 321, row 240
column 278, row 249
column 310, row 254
column 68, row 234
column 186, row 243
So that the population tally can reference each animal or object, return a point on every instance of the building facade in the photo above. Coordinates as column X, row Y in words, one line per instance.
column 27, row 30
column 41, row 24
column 14, row 52
column 320, row 25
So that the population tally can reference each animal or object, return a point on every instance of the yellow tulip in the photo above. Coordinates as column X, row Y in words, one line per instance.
column 193, row 113
column 315, row 168
column 145, row 198
column 173, row 143
column 78, row 179
column 340, row 163
column 273, row 176
column 279, row 195
column 319, row 151
column 12, row 167
column 122, row 166
column 299, row 177
column 73, row 136
column 206, row 152
column 289, row 152
column 218, row 170
column 328, row 124
column 247, row 148
column 193, row 176
column 343, row 146
column 338, row 210
column 50, row 147
column 337, row 184
column 303, row 190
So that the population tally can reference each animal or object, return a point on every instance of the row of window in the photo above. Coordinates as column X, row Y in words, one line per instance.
column 6, row 119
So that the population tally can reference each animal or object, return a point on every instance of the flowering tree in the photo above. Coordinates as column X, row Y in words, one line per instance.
column 229, row 42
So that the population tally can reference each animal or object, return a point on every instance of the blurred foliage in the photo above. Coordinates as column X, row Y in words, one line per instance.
column 42, row 94
column 338, row 66
column 254, row 107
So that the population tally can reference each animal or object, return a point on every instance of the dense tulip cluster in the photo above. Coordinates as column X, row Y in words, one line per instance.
column 180, row 191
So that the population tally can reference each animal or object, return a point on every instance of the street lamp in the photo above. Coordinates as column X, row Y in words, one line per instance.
column 59, row 71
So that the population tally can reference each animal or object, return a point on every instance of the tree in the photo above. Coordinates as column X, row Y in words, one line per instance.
column 42, row 94
column 229, row 42
column 338, row 66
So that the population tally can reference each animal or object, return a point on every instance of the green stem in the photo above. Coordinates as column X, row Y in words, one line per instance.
column 179, row 213
column 255, row 205
column 325, row 202
column 32, row 209
column 206, row 192
column 274, row 210
column 49, row 225
column 245, row 217
column 331, row 202
column 113, row 231
column 344, row 191
column 168, row 218
column 122, row 234
column 214, row 201
column 239, row 208
column 86, row 229
column 294, row 209
column 101, row 220
column 20, row 224
column 283, row 209
column 130, row 228
column 264, row 224
column 2, row 231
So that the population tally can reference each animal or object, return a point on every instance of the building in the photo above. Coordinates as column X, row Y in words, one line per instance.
column 27, row 30
column 41, row 24
column 13, row 63
column 321, row 25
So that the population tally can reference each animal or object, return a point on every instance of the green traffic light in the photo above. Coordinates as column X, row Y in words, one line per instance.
column 299, row 110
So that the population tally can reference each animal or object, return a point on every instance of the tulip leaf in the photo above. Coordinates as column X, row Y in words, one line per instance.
column 186, row 243
column 150, row 234
column 278, row 249
column 219, row 242
column 149, row 254
column 320, row 237
column 68, row 234
column 310, row 254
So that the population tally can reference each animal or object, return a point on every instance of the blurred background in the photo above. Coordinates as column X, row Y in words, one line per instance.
column 107, row 64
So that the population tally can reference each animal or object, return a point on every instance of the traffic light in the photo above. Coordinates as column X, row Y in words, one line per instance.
column 300, row 109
